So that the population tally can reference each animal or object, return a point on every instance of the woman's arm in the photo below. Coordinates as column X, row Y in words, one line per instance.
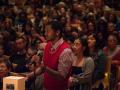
column 87, row 72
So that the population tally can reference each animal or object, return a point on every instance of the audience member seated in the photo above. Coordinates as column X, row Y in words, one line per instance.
column 112, row 50
column 18, row 59
column 5, row 68
column 99, row 59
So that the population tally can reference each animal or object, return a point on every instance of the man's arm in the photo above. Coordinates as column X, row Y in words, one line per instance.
column 65, row 63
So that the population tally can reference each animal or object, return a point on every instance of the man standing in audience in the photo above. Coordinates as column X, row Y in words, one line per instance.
column 57, row 59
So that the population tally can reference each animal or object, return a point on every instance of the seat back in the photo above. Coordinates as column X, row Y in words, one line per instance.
column 106, row 80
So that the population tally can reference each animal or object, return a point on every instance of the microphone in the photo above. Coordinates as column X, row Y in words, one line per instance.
column 40, row 54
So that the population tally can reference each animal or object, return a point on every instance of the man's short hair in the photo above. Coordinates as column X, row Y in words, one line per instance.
column 56, row 25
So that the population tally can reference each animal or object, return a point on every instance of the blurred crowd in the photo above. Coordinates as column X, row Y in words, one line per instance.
column 22, row 33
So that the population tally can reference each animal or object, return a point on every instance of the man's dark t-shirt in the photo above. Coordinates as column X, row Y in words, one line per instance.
column 20, row 61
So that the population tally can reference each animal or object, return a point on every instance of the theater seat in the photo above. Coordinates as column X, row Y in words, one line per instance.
column 106, row 80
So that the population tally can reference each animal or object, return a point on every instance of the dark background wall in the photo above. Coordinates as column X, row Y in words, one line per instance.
column 113, row 4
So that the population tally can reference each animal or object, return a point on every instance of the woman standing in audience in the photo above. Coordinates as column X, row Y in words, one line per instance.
column 82, row 67
column 99, row 59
